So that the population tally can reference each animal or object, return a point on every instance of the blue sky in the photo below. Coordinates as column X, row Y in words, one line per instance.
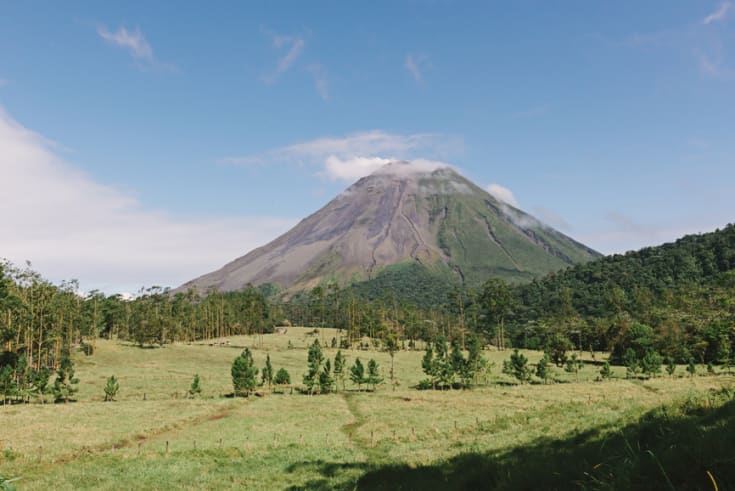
column 147, row 143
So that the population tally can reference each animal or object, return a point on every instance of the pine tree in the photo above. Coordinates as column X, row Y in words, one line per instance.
column 315, row 359
column 475, row 361
column 40, row 381
column 111, row 388
column 606, row 371
column 267, row 374
column 357, row 373
column 517, row 366
column 244, row 373
column 373, row 377
column 339, row 369
column 427, row 364
column 326, row 382
column 459, row 364
column 651, row 363
column 65, row 385
column 543, row 370
column 195, row 389
column 630, row 360
column 282, row 377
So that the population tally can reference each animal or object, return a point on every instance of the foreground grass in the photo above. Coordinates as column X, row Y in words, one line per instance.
column 344, row 440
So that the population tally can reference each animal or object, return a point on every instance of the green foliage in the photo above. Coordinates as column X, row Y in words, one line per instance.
column 357, row 374
column 315, row 358
column 556, row 349
column 326, row 381
column 651, row 363
column 574, row 365
column 195, row 389
column 65, row 385
column 112, row 387
column 691, row 368
column 282, row 377
column 243, row 374
column 630, row 360
column 670, row 366
column 340, row 362
column 267, row 373
column 517, row 366
column 606, row 371
column 373, row 377
column 543, row 370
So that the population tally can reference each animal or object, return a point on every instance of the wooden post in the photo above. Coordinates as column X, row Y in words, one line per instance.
column 220, row 443
column 301, row 439
column 413, row 431
column 144, row 396
column 167, row 447
column 195, row 444
column 455, row 425
column 372, row 438
column 139, row 445
column 40, row 453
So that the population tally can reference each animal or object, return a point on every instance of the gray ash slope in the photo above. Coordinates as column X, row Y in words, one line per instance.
column 404, row 213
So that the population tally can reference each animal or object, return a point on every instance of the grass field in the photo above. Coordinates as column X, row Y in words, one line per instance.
column 294, row 441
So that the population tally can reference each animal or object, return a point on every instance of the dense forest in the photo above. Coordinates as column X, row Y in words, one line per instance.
column 676, row 300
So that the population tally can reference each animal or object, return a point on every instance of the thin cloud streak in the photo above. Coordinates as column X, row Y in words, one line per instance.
column 718, row 14
column 135, row 43
column 364, row 150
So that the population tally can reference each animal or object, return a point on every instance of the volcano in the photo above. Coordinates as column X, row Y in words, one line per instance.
column 417, row 213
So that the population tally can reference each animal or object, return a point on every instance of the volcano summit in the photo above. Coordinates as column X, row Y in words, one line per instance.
column 420, row 213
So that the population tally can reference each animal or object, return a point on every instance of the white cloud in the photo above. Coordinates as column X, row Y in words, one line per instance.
column 502, row 193
column 135, row 43
column 295, row 46
column 551, row 218
column 362, row 153
column 70, row 226
column 321, row 84
column 415, row 65
column 718, row 14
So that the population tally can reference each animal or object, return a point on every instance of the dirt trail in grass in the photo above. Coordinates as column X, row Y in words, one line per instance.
column 350, row 429
column 142, row 438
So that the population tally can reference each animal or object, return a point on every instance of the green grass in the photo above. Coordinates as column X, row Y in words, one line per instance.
column 296, row 441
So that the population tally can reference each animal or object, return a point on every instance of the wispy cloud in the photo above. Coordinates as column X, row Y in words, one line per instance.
column 135, row 43
column 321, row 83
column 119, row 244
column 416, row 64
column 718, row 14
column 502, row 193
column 362, row 152
column 291, row 48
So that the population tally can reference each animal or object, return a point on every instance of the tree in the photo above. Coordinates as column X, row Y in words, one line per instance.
column 497, row 303
column 543, row 370
column 427, row 364
column 111, row 388
column 459, row 364
column 517, row 366
column 391, row 345
column 65, row 385
column 282, row 377
column 373, row 377
column 574, row 365
column 339, row 369
column 195, row 389
column 7, row 383
column 606, row 371
column 651, row 363
column 243, row 374
column 40, row 381
column 557, row 347
column 267, row 374
column 315, row 358
column 475, row 361
column 326, row 381
column 691, row 367
column 357, row 373
column 630, row 360
column 670, row 366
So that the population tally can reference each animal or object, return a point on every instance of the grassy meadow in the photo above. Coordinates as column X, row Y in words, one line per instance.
column 153, row 437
